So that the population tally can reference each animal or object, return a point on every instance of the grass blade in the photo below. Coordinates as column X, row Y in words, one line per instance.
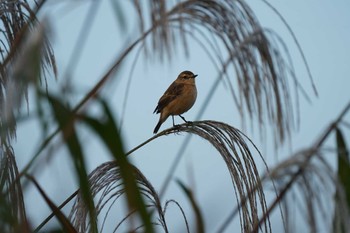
column 63, row 116
column 343, row 163
column 195, row 207
column 343, row 177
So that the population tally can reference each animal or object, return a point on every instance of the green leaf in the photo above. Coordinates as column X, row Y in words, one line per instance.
column 107, row 130
column 343, row 177
column 195, row 207
column 65, row 119
column 343, row 164
column 55, row 230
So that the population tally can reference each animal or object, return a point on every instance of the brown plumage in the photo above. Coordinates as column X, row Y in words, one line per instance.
column 177, row 99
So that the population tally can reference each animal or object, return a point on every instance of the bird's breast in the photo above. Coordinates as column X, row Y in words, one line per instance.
column 184, row 101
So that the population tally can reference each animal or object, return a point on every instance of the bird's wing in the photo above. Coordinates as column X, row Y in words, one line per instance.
column 174, row 90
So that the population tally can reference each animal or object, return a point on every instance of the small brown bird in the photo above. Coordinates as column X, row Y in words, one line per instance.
column 177, row 99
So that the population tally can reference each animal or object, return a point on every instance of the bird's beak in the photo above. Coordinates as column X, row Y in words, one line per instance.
column 195, row 75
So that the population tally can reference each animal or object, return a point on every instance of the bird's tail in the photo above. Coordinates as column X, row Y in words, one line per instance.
column 160, row 122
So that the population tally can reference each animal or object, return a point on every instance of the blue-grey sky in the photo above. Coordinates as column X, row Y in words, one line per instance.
column 322, row 29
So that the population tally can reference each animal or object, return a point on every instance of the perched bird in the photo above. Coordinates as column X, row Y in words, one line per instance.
column 177, row 99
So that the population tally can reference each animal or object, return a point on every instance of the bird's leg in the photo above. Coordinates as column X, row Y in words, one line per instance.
column 175, row 126
column 173, row 121
column 183, row 118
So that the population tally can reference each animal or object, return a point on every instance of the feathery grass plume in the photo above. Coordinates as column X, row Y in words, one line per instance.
column 18, row 23
column 231, row 144
column 311, row 193
column 12, row 210
column 300, row 170
column 107, row 186
column 257, row 70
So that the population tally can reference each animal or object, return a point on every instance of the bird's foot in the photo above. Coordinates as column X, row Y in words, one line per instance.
column 177, row 129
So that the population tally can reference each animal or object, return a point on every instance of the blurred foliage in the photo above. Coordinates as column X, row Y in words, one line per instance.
column 200, row 228
column 26, row 56
column 343, row 163
column 65, row 120
column 342, row 195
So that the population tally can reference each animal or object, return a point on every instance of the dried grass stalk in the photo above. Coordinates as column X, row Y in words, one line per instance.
column 234, row 150
column 12, row 210
column 107, row 187
column 312, row 194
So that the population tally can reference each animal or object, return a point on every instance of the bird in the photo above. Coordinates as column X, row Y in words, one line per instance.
column 177, row 99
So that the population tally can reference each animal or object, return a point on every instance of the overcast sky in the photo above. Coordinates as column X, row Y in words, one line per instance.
column 322, row 28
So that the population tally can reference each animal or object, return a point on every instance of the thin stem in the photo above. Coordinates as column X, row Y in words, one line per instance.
column 147, row 141
column 82, row 38
column 52, row 214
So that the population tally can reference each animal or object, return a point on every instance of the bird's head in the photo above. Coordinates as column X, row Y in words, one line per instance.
column 187, row 77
